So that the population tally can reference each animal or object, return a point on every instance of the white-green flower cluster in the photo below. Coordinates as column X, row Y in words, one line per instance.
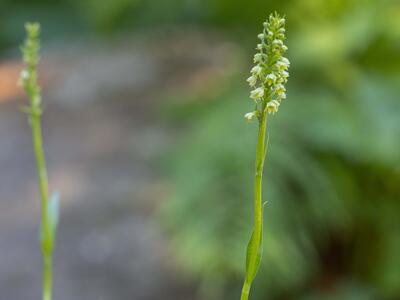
column 30, row 51
column 270, row 73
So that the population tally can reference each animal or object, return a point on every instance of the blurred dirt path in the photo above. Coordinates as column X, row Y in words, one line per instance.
column 101, row 134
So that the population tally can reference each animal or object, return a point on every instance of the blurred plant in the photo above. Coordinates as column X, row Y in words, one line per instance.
column 49, row 218
column 270, row 72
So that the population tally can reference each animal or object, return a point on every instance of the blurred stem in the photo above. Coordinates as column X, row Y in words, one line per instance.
column 46, row 236
column 47, row 278
column 258, row 205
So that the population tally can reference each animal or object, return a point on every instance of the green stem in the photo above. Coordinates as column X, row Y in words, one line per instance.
column 47, row 278
column 46, row 237
column 258, row 206
column 245, row 291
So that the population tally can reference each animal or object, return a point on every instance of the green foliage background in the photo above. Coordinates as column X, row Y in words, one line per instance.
column 333, row 172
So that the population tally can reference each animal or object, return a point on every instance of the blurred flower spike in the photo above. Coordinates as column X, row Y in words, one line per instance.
column 30, row 52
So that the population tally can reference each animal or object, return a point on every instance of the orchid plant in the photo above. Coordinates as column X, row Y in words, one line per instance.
column 268, row 78
column 49, row 204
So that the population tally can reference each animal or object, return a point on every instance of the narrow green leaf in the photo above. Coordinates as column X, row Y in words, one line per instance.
column 253, row 256
column 53, row 211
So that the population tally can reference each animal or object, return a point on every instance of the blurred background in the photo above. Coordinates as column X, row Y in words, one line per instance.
column 146, row 142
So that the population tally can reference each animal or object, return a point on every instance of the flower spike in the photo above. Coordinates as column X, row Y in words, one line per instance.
column 270, row 72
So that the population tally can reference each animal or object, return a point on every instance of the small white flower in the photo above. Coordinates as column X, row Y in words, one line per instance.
column 256, row 70
column 284, row 47
column 280, row 36
column 285, row 60
column 24, row 75
column 271, row 78
column 285, row 74
column 259, row 47
column 277, row 42
column 272, row 106
column 250, row 115
column 257, row 58
column 261, row 36
column 281, row 65
column 252, row 80
column 256, row 94
column 279, row 88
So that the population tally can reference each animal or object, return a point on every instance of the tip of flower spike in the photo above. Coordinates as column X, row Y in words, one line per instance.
column 28, row 78
column 33, row 29
column 31, row 47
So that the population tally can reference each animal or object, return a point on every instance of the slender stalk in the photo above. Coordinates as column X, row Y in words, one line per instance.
column 258, row 203
column 46, row 238
column 47, row 278
column 40, row 161
column 260, row 157
column 245, row 291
